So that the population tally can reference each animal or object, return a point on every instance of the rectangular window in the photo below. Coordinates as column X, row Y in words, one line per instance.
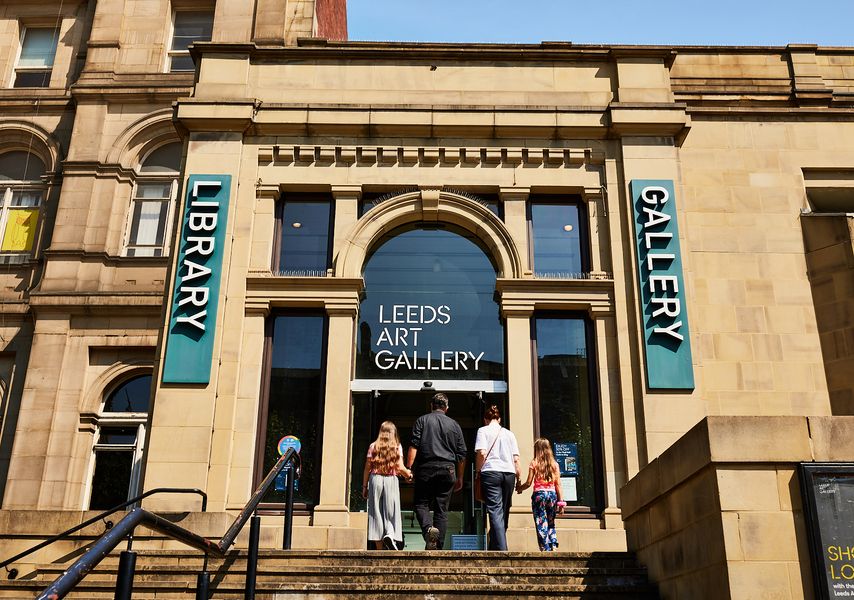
column 117, row 458
column 35, row 63
column 565, row 398
column 557, row 231
column 19, row 218
column 188, row 27
column 150, row 212
column 304, row 237
column 296, row 355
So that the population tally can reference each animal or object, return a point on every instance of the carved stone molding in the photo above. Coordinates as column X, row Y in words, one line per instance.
column 303, row 155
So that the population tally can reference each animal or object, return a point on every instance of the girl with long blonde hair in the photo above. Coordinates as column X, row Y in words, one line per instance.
column 546, row 501
column 381, row 489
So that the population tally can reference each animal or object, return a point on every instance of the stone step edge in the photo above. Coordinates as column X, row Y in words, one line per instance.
column 451, row 554
column 358, row 587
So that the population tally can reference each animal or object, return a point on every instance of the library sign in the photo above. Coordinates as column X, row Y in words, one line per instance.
column 667, row 344
column 189, row 345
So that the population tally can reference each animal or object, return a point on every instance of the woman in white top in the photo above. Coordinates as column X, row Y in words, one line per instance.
column 497, row 461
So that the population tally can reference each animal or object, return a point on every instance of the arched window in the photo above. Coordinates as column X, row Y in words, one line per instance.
column 119, row 443
column 22, row 194
column 153, row 201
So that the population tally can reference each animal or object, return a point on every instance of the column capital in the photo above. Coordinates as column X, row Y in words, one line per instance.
column 514, row 309
column 347, row 191
column 343, row 308
column 267, row 190
column 520, row 194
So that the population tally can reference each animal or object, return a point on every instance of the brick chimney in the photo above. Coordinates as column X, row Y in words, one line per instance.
column 331, row 19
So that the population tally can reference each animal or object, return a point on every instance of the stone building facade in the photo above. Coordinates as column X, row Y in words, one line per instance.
column 519, row 172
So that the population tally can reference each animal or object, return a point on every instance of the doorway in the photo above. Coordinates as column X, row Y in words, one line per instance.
column 466, row 517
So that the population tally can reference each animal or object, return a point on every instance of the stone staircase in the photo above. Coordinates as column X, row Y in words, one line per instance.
column 316, row 575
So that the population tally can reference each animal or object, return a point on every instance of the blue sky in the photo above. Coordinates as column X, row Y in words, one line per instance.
column 717, row 22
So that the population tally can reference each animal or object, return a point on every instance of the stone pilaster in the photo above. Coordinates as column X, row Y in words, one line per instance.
column 515, row 202
column 334, row 475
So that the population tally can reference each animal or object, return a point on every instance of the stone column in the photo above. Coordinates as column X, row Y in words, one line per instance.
column 610, row 409
column 233, row 22
column 190, row 440
column 335, row 462
column 103, row 42
column 270, row 22
column 346, row 214
column 520, row 394
column 515, row 201
column 29, row 484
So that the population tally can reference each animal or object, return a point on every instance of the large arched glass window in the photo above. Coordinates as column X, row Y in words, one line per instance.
column 429, row 309
column 119, row 443
column 23, row 189
column 153, row 202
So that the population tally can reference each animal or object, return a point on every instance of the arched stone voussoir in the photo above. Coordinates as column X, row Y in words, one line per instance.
column 408, row 208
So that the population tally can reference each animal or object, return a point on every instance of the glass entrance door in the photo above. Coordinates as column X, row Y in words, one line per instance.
column 466, row 517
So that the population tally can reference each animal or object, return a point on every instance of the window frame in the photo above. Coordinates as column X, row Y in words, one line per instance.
column 278, row 232
column 170, row 38
column 141, row 179
column 595, row 405
column 109, row 420
column 17, row 68
column 583, row 225
column 7, row 191
column 300, row 508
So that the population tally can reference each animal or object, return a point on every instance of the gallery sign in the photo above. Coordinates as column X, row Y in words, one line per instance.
column 190, row 338
column 667, row 343
column 828, row 499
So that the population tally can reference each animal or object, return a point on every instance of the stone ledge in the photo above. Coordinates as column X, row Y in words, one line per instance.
column 739, row 440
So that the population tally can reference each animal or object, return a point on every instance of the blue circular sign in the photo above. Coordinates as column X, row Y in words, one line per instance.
column 289, row 441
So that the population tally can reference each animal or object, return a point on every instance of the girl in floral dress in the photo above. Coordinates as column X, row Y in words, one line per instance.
column 546, row 501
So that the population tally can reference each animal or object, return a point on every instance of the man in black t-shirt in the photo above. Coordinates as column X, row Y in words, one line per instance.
column 437, row 456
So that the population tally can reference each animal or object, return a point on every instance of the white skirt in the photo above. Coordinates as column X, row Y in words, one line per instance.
column 384, row 519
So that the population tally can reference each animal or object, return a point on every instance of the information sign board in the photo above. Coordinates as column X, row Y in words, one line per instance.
column 828, row 498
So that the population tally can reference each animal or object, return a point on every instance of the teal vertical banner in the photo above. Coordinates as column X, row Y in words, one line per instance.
column 192, row 322
column 667, row 343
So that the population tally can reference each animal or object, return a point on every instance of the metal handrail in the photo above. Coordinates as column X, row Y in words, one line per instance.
column 230, row 535
column 63, row 584
column 100, row 517
column 105, row 544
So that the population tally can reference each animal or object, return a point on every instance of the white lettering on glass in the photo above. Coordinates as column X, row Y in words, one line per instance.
column 406, row 338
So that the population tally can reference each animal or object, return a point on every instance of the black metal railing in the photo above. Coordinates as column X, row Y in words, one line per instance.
column 66, row 582
column 13, row 572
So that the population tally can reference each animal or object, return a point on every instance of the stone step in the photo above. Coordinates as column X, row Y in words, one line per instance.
column 316, row 575
column 386, row 591
column 341, row 576
column 391, row 558
column 307, row 570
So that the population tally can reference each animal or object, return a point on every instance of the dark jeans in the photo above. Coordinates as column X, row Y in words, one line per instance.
column 434, row 484
column 498, row 495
